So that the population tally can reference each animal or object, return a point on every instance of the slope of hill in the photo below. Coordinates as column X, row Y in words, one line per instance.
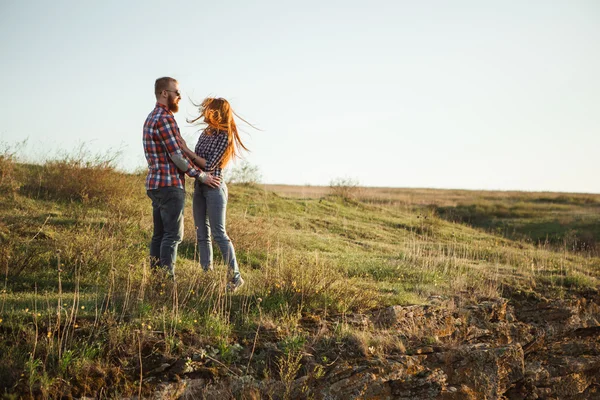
column 376, row 292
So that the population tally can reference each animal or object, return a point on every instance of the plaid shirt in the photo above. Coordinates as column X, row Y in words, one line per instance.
column 211, row 146
column 161, row 135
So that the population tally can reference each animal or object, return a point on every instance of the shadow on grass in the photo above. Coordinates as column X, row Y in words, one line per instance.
column 43, row 281
column 253, row 259
column 189, row 249
column 574, row 229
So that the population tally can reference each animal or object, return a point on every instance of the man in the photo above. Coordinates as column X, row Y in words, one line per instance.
column 167, row 167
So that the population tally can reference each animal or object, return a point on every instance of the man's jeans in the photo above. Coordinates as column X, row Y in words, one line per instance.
column 210, row 207
column 167, row 213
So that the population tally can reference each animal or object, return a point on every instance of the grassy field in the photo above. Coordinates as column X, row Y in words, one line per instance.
column 80, row 311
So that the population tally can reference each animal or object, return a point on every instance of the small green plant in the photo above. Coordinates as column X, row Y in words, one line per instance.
column 289, row 364
column 229, row 353
column 66, row 362
column 33, row 366
column 318, row 371
column 293, row 343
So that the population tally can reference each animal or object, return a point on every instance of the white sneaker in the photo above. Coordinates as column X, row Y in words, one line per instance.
column 234, row 285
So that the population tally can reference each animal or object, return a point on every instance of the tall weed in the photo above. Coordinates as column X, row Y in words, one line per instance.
column 8, row 180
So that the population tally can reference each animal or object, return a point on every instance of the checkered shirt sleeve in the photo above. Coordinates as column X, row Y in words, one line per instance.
column 160, row 143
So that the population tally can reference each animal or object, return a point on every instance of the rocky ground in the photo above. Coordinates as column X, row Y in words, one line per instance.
column 523, row 346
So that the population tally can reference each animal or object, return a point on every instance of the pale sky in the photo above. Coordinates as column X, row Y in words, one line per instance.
column 443, row 94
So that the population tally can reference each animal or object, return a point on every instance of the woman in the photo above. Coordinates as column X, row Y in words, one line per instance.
column 217, row 145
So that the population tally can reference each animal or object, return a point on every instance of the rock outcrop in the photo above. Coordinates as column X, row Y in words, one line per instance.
column 527, row 347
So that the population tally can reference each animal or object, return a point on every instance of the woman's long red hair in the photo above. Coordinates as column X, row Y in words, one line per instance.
column 217, row 114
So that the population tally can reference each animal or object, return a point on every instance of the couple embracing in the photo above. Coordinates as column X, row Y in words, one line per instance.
column 169, row 160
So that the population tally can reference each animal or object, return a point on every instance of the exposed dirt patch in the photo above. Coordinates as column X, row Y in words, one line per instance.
column 521, row 347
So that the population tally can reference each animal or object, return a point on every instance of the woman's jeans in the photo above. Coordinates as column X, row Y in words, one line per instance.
column 210, row 207
column 167, row 214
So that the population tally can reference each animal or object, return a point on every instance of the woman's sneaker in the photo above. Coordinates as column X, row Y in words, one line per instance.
column 235, row 284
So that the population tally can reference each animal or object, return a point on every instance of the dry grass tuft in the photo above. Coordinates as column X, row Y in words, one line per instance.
column 8, row 181
column 84, row 181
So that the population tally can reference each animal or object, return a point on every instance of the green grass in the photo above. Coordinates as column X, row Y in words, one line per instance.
column 562, row 221
column 79, row 304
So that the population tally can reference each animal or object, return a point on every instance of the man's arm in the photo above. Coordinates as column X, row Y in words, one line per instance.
column 195, row 159
column 168, row 132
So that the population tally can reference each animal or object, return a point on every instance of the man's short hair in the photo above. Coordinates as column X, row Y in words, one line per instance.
column 162, row 84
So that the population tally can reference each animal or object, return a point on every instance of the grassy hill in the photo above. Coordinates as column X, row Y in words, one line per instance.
column 81, row 311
